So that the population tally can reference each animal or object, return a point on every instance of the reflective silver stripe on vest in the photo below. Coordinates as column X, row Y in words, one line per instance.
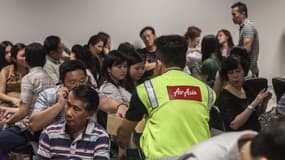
column 210, row 97
column 151, row 94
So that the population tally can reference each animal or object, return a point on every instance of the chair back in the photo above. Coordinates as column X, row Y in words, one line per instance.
column 254, row 85
column 216, row 119
column 278, row 84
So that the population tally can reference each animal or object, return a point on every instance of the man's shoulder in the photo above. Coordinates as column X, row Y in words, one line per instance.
column 50, row 91
column 98, row 130
column 55, row 128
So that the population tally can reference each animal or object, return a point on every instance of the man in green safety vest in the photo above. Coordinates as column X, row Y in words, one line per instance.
column 176, row 106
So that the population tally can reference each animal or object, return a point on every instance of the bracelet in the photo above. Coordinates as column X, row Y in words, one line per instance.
column 251, row 107
column 121, row 104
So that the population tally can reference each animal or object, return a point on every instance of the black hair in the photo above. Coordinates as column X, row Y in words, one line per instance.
column 51, row 43
column 133, row 57
column 88, row 95
column 95, row 39
column 104, row 36
column 14, row 52
column 35, row 55
column 228, row 64
column 6, row 44
column 270, row 142
column 3, row 61
column 3, row 46
column 16, row 48
column 147, row 28
column 126, row 47
column 230, row 42
column 171, row 50
column 84, row 55
column 241, row 7
column 241, row 54
column 115, row 57
column 70, row 65
column 208, row 46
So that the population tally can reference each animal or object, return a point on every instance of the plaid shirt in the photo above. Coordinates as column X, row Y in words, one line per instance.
column 32, row 84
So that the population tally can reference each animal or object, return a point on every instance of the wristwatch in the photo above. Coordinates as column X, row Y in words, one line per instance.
column 251, row 107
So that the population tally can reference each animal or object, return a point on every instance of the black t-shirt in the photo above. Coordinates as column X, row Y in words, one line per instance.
column 150, row 57
column 231, row 106
column 147, row 55
column 136, row 109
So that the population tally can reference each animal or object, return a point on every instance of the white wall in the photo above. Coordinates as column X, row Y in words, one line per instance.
column 76, row 20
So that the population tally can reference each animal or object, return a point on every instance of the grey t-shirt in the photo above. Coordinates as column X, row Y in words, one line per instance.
column 249, row 31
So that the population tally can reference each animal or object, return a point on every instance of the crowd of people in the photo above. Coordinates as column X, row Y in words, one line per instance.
column 62, row 101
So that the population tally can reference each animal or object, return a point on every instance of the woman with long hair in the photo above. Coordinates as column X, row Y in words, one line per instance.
column 5, row 54
column 225, row 43
column 11, row 75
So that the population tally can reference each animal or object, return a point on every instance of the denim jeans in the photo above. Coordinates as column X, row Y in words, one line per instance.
column 12, row 137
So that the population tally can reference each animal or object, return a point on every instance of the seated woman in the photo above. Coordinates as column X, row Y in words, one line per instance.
column 114, row 71
column 237, row 109
column 210, row 60
column 136, row 68
column 11, row 75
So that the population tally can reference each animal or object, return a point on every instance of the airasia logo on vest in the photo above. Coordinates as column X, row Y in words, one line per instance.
column 184, row 92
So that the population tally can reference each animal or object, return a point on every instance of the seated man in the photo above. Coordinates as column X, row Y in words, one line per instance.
column 78, row 136
column 268, row 144
column 32, row 84
column 49, row 107
column 55, row 48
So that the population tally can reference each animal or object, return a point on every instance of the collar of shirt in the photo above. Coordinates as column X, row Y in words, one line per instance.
column 35, row 69
column 87, row 131
column 55, row 61
column 243, row 23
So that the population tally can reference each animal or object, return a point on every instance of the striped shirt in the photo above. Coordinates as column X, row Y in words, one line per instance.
column 248, row 30
column 56, row 143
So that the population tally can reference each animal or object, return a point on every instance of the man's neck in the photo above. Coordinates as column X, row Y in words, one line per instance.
column 244, row 150
column 75, row 132
column 151, row 48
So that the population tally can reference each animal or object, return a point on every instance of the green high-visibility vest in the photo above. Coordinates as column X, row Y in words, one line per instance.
column 178, row 113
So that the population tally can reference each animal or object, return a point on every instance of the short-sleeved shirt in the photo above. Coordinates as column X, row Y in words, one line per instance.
column 32, row 84
column 115, row 92
column 247, row 30
column 150, row 57
column 52, row 68
column 56, row 143
column 46, row 99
